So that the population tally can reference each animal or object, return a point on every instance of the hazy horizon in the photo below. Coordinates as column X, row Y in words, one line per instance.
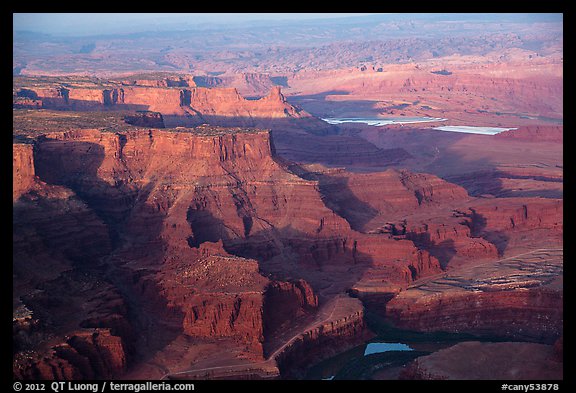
column 86, row 24
column 105, row 23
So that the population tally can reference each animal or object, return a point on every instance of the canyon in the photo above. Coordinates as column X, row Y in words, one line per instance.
column 235, row 249
column 173, row 223
column 156, row 219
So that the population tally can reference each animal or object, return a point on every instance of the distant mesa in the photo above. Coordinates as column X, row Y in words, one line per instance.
column 167, row 96
column 158, row 80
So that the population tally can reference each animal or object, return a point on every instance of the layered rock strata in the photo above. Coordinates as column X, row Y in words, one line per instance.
column 517, row 297
column 208, row 229
column 200, row 102
column 295, row 130
column 222, row 198
column 343, row 329
column 195, row 220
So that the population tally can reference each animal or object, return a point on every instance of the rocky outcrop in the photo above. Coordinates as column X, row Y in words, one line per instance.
column 195, row 284
column 473, row 360
column 201, row 221
column 225, row 316
column 218, row 295
column 74, row 160
column 484, row 229
column 85, row 98
column 287, row 301
column 52, row 97
column 146, row 119
column 85, row 355
column 167, row 101
column 404, row 205
column 533, row 314
column 228, row 201
column 111, row 167
column 299, row 136
column 487, row 229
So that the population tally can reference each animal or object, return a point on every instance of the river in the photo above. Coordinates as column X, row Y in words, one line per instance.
column 384, row 356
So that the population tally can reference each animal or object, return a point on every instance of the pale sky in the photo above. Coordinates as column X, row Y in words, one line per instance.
column 103, row 23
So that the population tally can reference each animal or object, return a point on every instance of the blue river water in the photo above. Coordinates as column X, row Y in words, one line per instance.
column 385, row 347
column 330, row 368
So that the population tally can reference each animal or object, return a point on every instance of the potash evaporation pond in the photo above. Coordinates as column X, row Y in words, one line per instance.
column 474, row 130
column 382, row 121
column 378, row 122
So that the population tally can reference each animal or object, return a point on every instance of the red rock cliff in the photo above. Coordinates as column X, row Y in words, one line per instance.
column 517, row 214
column 343, row 330
column 85, row 355
column 189, row 212
column 228, row 199
column 23, row 175
column 286, row 301
column 210, row 103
